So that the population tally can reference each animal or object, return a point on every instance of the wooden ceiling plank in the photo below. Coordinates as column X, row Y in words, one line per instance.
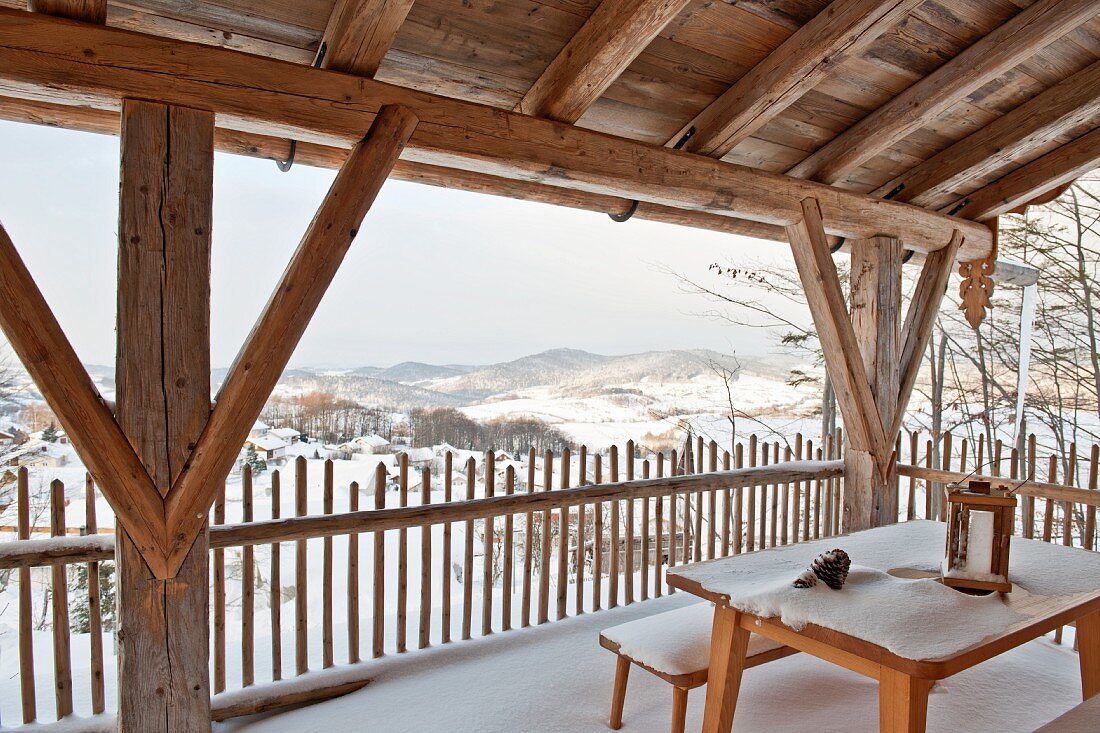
column 612, row 37
column 276, row 334
column 49, row 58
column 919, row 321
column 843, row 29
column 42, row 347
column 836, row 333
column 1041, row 119
column 360, row 32
column 89, row 11
column 1056, row 168
column 1021, row 37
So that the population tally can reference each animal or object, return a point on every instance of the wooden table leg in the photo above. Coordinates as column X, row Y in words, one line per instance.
column 902, row 702
column 728, row 644
column 1088, row 650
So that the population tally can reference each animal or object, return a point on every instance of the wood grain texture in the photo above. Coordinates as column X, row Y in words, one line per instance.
column 89, row 11
column 253, row 145
column 360, row 32
column 59, row 611
column 838, row 339
column 284, row 319
column 609, row 41
column 875, row 296
column 163, row 388
column 902, row 702
column 1088, row 647
column 1043, row 118
column 729, row 641
column 842, row 30
column 1021, row 186
column 1025, row 34
column 317, row 105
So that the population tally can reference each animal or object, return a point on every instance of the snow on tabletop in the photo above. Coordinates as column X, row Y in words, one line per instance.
column 905, row 616
column 675, row 642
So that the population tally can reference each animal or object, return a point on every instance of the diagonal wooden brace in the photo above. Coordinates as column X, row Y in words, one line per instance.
column 838, row 339
column 41, row 345
column 920, row 319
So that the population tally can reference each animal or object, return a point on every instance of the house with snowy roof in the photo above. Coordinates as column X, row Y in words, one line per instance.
column 373, row 443
column 270, row 447
column 288, row 435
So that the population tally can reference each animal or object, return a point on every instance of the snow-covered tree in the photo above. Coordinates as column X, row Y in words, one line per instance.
column 252, row 458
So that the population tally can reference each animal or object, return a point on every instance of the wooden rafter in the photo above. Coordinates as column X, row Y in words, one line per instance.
column 611, row 38
column 41, row 345
column 835, row 331
column 265, row 354
column 919, row 321
column 43, row 56
column 1031, row 181
column 1021, row 37
column 360, row 32
column 1042, row 118
column 811, row 53
column 89, row 11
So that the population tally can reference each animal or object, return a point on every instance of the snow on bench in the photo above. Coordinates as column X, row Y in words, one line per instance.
column 675, row 646
column 674, row 643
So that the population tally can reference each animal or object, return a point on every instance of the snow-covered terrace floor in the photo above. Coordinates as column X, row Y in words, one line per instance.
column 557, row 678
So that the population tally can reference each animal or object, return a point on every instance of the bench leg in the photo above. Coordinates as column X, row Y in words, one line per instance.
column 728, row 644
column 1088, row 648
column 679, row 709
column 902, row 702
column 618, row 695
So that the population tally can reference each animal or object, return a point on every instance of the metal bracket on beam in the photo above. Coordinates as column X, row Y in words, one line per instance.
column 286, row 165
column 626, row 215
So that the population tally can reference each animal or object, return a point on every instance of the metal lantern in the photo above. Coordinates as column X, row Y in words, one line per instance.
column 979, row 526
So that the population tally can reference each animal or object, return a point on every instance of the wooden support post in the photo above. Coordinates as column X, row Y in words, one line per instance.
column 869, row 447
column 871, row 497
column 163, row 389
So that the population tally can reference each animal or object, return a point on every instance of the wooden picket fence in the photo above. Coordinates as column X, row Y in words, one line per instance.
column 552, row 536
column 1053, row 506
column 608, row 526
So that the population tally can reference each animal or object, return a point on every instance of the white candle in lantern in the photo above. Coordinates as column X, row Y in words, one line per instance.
column 979, row 544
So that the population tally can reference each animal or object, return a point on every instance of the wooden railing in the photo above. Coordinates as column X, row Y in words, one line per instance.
column 1051, row 510
column 545, row 538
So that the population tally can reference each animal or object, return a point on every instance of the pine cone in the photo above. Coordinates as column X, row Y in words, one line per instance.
column 806, row 580
column 831, row 568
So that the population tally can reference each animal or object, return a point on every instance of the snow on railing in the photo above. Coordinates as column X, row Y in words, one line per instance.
column 538, row 539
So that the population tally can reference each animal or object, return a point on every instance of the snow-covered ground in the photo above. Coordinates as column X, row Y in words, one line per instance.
column 557, row 678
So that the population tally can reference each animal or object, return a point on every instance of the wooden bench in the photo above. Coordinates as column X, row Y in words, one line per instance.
column 675, row 646
column 1085, row 718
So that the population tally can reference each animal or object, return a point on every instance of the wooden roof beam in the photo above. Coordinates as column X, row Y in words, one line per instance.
column 106, row 122
column 609, row 41
column 89, row 11
column 44, row 57
column 359, row 34
column 1057, row 168
column 1042, row 118
column 811, row 53
column 1020, row 38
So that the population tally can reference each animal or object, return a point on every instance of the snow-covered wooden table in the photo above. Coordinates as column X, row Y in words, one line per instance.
column 888, row 622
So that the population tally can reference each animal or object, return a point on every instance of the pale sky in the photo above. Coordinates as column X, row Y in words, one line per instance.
column 434, row 275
